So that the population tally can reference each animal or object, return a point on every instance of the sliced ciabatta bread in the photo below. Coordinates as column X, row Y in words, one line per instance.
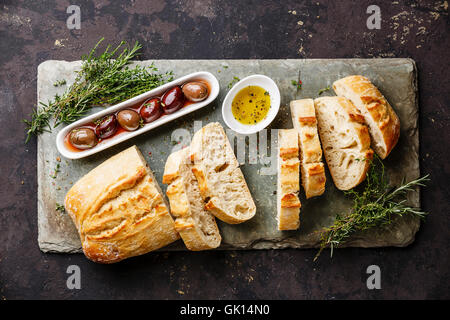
column 221, row 182
column 345, row 140
column 288, row 203
column 305, row 122
column 383, row 122
column 313, row 179
column 196, row 226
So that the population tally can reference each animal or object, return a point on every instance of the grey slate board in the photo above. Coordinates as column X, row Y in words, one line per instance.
column 396, row 79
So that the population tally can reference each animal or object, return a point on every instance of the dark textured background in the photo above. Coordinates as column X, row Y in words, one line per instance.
column 34, row 31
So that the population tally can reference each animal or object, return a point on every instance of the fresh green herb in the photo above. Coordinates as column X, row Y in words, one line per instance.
column 102, row 80
column 60, row 83
column 225, row 67
column 375, row 206
column 296, row 83
column 324, row 89
column 60, row 207
column 55, row 173
column 232, row 82
column 266, row 93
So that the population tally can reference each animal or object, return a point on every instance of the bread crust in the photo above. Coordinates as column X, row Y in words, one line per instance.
column 384, row 124
column 197, row 227
column 305, row 122
column 288, row 202
column 119, row 210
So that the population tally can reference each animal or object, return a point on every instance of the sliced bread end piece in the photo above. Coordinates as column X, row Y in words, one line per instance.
column 383, row 122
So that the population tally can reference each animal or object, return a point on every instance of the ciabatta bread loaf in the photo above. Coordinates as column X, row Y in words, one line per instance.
column 383, row 122
column 221, row 182
column 119, row 210
column 345, row 140
column 288, row 203
column 197, row 226
column 312, row 169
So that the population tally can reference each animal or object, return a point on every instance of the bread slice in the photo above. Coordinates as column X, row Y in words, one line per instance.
column 221, row 182
column 312, row 169
column 197, row 226
column 383, row 122
column 345, row 139
column 119, row 210
column 288, row 203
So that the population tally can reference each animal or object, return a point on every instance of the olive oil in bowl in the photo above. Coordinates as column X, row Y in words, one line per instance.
column 251, row 105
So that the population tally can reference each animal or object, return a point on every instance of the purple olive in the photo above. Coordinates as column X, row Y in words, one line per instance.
column 195, row 91
column 151, row 110
column 172, row 100
column 129, row 119
column 106, row 127
column 83, row 138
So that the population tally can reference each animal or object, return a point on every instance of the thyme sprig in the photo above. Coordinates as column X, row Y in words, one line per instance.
column 60, row 207
column 232, row 82
column 374, row 206
column 103, row 79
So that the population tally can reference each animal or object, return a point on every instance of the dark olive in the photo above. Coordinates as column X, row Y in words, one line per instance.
column 129, row 119
column 172, row 100
column 195, row 91
column 106, row 127
column 151, row 110
column 83, row 138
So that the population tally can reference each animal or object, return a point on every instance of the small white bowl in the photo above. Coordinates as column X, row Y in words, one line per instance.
column 253, row 80
column 203, row 75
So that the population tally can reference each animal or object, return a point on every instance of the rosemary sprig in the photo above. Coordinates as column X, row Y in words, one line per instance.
column 374, row 206
column 59, row 83
column 324, row 90
column 102, row 80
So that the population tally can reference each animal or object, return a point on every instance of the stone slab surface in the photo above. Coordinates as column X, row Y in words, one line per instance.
column 396, row 79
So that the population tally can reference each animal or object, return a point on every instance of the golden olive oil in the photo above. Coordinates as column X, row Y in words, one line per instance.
column 251, row 105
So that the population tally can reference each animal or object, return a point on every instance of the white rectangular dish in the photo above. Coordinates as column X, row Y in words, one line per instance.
column 202, row 75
